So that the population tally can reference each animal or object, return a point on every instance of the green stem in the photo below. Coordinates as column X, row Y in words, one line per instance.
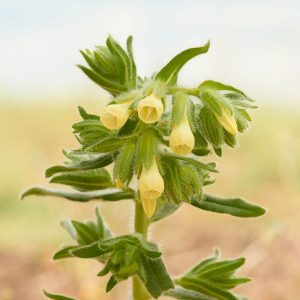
column 141, row 224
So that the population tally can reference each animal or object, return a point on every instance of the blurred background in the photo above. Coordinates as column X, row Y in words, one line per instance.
column 255, row 46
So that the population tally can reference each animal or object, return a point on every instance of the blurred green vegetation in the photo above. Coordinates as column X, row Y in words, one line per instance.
column 265, row 168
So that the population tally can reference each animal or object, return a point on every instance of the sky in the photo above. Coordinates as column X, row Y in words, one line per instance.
column 255, row 45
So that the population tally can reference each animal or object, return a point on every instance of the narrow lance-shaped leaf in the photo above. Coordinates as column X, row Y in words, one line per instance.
column 57, row 297
column 111, row 86
column 232, row 206
column 185, row 294
column 132, row 62
column 95, row 163
column 170, row 71
column 85, row 180
column 222, row 87
column 107, row 195
column 109, row 144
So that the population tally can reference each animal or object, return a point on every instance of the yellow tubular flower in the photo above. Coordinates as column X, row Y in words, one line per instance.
column 150, row 109
column 114, row 116
column 181, row 139
column 227, row 121
column 151, row 186
column 149, row 206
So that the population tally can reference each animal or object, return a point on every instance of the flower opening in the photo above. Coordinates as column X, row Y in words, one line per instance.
column 150, row 109
column 115, row 116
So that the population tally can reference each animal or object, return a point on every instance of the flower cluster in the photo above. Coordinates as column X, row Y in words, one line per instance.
column 152, row 117
column 149, row 108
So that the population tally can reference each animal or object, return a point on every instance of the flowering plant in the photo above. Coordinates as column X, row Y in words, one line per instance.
column 154, row 131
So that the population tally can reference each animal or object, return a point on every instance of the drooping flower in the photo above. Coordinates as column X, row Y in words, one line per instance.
column 181, row 139
column 227, row 121
column 151, row 186
column 114, row 116
column 150, row 109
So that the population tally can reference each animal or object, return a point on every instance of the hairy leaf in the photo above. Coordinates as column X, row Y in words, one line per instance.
column 108, row 195
column 232, row 206
column 170, row 71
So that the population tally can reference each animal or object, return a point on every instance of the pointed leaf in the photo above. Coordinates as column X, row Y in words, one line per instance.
column 99, row 162
column 108, row 195
column 85, row 180
column 170, row 71
column 185, row 294
column 109, row 144
column 109, row 85
column 57, row 297
column 232, row 206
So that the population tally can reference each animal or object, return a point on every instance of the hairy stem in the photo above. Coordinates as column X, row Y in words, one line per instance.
column 140, row 226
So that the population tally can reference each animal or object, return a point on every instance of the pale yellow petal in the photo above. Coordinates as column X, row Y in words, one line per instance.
column 181, row 139
column 150, row 109
column 149, row 206
column 227, row 121
column 114, row 116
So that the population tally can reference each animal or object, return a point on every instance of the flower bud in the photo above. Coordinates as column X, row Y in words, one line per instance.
column 115, row 116
column 227, row 121
column 150, row 109
column 181, row 139
column 151, row 186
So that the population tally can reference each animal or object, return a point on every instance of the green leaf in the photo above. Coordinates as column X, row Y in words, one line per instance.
column 230, row 283
column 163, row 209
column 122, row 60
column 109, row 85
column 91, row 125
column 57, row 297
column 172, row 182
column 185, row 294
column 109, row 144
column 111, row 284
column 218, row 269
column 65, row 252
column 155, row 276
column 215, row 85
column 146, row 148
column 108, row 195
column 208, row 167
column 207, row 288
column 232, row 206
column 125, row 163
column 95, row 163
column 213, row 278
column 179, row 108
column 129, row 255
column 88, row 251
column 210, row 127
column 105, row 59
column 91, row 62
column 101, row 229
column 170, row 71
column 85, row 116
column 84, row 234
column 85, row 180
column 131, row 58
